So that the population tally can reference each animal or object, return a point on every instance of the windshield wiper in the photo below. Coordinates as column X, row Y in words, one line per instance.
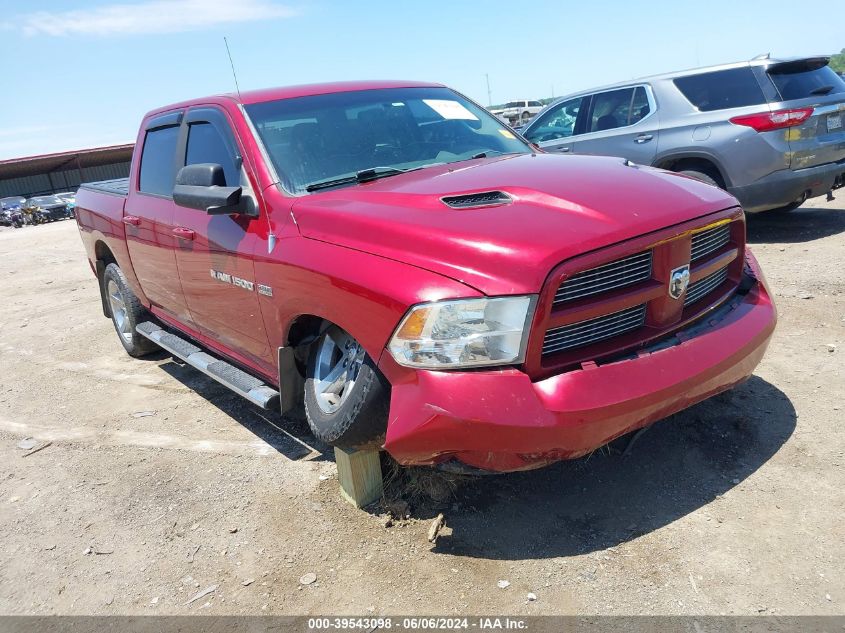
column 488, row 152
column 822, row 90
column 364, row 175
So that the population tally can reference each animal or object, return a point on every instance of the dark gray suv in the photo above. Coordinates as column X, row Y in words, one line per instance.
column 771, row 132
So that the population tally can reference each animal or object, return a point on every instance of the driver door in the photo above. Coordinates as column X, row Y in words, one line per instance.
column 556, row 130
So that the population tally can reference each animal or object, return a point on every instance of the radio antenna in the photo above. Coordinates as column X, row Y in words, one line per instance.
column 234, row 74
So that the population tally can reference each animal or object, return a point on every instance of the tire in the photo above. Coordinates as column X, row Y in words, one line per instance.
column 787, row 208
column 351, row 413
column 126, row 313
column 700, row 175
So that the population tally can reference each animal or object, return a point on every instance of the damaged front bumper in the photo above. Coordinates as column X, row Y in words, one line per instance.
column 499, row 420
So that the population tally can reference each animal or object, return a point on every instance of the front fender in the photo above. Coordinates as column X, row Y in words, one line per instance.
column 364, row 294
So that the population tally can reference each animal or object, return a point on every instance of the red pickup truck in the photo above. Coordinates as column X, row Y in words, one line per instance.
column 392, row 259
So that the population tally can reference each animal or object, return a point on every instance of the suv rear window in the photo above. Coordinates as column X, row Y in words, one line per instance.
column 721, row 89
column 799, row 80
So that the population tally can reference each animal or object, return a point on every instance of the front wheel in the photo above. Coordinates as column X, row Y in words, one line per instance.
column 346, row 396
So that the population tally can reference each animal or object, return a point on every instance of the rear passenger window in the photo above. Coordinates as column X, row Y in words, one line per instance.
column 722, row 89
column 206, row 145
column 640, row 107
column 611, row 109
column 157, row 161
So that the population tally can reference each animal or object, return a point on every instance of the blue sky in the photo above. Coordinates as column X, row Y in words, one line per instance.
column 81, row 73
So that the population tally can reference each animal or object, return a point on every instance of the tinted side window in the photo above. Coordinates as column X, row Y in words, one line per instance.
column 800, row 82
column 611, row 109
column 556, row 122
column 157, row 161
column 205, row 145
column 721, row 89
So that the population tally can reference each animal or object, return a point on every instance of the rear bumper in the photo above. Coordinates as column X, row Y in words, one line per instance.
column 786, row 186
column 501, row 421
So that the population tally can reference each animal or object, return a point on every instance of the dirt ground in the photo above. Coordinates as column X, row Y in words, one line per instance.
column 158, row 484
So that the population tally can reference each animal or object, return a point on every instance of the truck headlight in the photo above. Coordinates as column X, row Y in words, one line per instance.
column 464, row 333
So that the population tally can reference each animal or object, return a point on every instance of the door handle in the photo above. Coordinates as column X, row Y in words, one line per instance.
column 643, row 138
column 131, row 220
column 183, row 234
column 563, row 150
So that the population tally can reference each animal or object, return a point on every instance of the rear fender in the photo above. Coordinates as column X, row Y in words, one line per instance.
column 668, row 160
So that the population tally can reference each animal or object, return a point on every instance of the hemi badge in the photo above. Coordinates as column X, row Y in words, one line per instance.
column 267, row 291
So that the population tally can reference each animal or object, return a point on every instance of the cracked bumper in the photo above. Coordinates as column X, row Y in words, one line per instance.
column 502, row 421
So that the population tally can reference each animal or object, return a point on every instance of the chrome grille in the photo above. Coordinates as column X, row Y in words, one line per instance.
column 705, row 286
column 618, row 274
column 709, row 241
column 593, row 330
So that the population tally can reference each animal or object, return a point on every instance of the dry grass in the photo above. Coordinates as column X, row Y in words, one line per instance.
column 418, row 486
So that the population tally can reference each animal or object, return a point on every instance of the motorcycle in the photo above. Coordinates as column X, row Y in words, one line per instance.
column 33, row 216
column 11, row 217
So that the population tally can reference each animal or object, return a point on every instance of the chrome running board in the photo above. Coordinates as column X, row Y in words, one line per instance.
column 243, row 384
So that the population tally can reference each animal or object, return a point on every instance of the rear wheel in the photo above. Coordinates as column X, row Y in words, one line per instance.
column 346, row 396
column 126, row 312
column 787, row 208
column 700, row 175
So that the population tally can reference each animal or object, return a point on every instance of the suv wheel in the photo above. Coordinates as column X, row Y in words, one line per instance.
column 700, row 175
column 346, row 396
column 787, row 208
column 126, row 312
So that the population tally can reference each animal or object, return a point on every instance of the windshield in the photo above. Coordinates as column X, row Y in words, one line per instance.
column 10, row 203
column 334, row 136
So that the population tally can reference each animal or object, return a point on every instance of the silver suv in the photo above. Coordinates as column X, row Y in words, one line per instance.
column 768, row 131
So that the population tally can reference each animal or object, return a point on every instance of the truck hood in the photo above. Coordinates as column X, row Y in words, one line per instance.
column 562, row 206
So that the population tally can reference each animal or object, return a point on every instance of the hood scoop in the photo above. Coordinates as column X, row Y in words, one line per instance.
column 477, row 200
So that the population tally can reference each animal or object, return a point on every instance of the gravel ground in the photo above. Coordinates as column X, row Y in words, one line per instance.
column 156, row 485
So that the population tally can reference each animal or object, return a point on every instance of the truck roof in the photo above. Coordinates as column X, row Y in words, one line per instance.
column 305, row 90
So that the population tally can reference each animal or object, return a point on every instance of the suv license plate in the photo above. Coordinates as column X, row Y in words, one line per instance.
column 834, row 122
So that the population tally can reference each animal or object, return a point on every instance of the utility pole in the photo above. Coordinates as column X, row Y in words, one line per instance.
column 489, row 94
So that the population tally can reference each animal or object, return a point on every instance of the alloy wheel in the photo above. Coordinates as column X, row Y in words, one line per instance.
column 339, row 360
column 118, row 311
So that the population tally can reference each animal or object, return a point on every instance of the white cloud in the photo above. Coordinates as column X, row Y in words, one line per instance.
column 150, row 17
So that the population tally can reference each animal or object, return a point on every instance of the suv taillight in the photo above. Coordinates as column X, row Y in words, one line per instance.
column 765, row 121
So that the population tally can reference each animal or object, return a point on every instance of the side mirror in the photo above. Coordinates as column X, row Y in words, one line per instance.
column 203, row 186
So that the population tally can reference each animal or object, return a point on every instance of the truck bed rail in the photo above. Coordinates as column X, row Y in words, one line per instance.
column 115, row 187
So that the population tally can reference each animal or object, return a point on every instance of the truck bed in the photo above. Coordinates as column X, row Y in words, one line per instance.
column 116, row 187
